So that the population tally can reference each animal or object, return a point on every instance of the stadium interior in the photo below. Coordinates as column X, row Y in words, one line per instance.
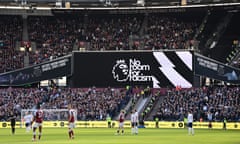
column 33, row 32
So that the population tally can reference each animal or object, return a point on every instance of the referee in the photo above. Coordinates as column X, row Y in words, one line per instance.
column 12, row 118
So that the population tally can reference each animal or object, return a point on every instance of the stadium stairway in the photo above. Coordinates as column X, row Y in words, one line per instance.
column 128, row 114
column 218, row 43
column 210, row 22
column 152, row 113
column 230, row 33
column 139, row 106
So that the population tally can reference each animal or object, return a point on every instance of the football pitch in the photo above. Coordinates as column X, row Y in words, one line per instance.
column 107, row 136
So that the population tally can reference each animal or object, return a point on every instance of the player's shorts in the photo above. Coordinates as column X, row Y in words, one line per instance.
column 133, row 124
column 36, row 125
column 121, row 124
column 136, row 123
column 27, row 124
column 13, row 124
column 71, row 125
column 190, row 125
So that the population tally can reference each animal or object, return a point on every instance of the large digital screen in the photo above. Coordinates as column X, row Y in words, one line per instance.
column 118, row 69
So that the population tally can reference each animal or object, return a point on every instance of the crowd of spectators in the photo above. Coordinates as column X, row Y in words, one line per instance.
column 10, row 33
column 112, row 32
column 91, row 104
column 55, row 36
column 207, row 104
column 164, row 32
column 59, row 35
column 17, row 99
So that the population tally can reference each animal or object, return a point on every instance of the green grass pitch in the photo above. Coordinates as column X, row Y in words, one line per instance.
column 107, row 136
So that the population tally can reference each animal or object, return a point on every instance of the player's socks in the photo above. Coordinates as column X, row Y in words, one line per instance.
column 72, row 134
column 69, row 134
column 192, row 131
column 136, row 130
column 34, row 137
column 27, row 129
column 39, row 136
column 117, row 132
column 13, row 130
column 122, row 131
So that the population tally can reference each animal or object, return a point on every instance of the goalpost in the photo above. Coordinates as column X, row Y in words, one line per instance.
column 48, row 115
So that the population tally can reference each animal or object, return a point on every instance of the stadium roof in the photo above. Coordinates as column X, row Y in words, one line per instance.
column 109, row 3
column 48, row 7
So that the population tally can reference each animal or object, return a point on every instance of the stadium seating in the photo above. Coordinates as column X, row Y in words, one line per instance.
column 92, row 103
column 59, row 35
column 221, row 102
column 10, row 32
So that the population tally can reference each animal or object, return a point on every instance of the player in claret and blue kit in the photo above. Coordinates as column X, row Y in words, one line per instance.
column 37, row 119
column 71, row 121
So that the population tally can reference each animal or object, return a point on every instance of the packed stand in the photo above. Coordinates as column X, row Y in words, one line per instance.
column 166, row 32
column 10, row 33
column 207, row 104
column 55, row 36
column 14, row 100
column 91, row 104
column 112, row 32
column 59, row 35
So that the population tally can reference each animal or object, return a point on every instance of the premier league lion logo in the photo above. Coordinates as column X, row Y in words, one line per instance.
column 120, row 71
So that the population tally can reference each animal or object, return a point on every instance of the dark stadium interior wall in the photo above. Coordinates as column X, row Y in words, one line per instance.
column 197, row 81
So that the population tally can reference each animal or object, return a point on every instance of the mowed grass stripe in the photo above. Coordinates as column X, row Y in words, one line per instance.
column 107, row 136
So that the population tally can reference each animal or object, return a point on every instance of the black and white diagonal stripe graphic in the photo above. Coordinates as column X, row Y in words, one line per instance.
column 175, row 69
